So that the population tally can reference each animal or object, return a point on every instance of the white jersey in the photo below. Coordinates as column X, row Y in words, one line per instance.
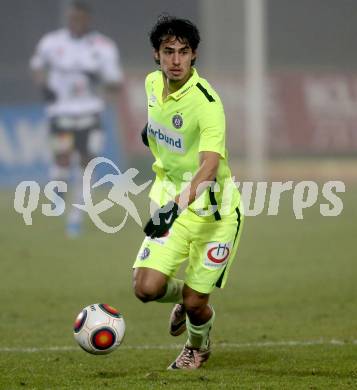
column 74, row 68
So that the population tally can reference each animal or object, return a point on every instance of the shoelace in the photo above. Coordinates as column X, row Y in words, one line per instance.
column 186, row 357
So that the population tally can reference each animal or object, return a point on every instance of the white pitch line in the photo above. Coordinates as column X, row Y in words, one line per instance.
column 257, row 344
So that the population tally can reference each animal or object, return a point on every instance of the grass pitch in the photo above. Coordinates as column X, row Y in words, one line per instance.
column 286, row 320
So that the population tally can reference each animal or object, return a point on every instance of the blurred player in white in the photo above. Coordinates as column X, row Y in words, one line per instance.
column 73, row 66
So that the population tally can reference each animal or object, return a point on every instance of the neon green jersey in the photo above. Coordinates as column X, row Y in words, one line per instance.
column 189, row 121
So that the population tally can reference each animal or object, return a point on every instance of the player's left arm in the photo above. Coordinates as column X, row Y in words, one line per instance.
column 206, row 174
column 164, row 217
column 211, row 121
column 110, row 72
column 116, row 90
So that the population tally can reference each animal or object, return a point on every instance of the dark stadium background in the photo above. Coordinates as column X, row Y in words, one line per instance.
column 317, row 34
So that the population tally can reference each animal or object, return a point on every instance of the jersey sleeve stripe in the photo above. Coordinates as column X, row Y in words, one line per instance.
column 209, row 97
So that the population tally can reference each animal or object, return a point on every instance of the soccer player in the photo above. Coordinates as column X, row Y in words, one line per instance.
column 72, row 66
column 199, row 221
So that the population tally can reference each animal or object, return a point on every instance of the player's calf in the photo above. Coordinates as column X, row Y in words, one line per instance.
column 196, row 305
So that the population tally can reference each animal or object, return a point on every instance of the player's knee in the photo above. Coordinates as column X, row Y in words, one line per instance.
column 146, row 292
column 148, row 284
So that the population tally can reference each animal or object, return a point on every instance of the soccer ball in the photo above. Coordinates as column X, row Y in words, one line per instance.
column 99, row 329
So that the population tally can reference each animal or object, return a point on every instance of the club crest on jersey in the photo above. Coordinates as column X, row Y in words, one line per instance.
column 145, row 254
column 177, row 121
column 217, row 254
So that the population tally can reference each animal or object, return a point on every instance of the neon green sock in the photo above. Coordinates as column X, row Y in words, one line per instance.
column 198, row 334
column 173, row 291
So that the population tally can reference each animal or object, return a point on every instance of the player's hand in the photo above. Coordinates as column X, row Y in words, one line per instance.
column 162, row 220
column 144, row 136
column 49, row 95
column 93, row 77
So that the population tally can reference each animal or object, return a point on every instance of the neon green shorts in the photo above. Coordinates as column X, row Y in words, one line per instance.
column 209, row 248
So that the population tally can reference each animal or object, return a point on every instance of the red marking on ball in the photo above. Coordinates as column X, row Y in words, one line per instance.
column 103, row 339
column 80, row 320
column 110, row 310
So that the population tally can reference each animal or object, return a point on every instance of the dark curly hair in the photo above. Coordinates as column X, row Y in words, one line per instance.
column 80, row 5
column 170, row 26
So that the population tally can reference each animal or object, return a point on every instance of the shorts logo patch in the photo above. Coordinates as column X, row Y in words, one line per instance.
column 177, row 121
column 145, row 254
column 217, row 254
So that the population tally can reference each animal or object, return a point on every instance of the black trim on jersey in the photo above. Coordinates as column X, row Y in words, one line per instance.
column 220, row 279
column 212, row 199
column 238, row 226
column 205, row 92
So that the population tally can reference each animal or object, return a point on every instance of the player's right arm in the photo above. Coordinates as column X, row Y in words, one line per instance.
column 39, row 62
column 144, row 135
column 39, row 65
